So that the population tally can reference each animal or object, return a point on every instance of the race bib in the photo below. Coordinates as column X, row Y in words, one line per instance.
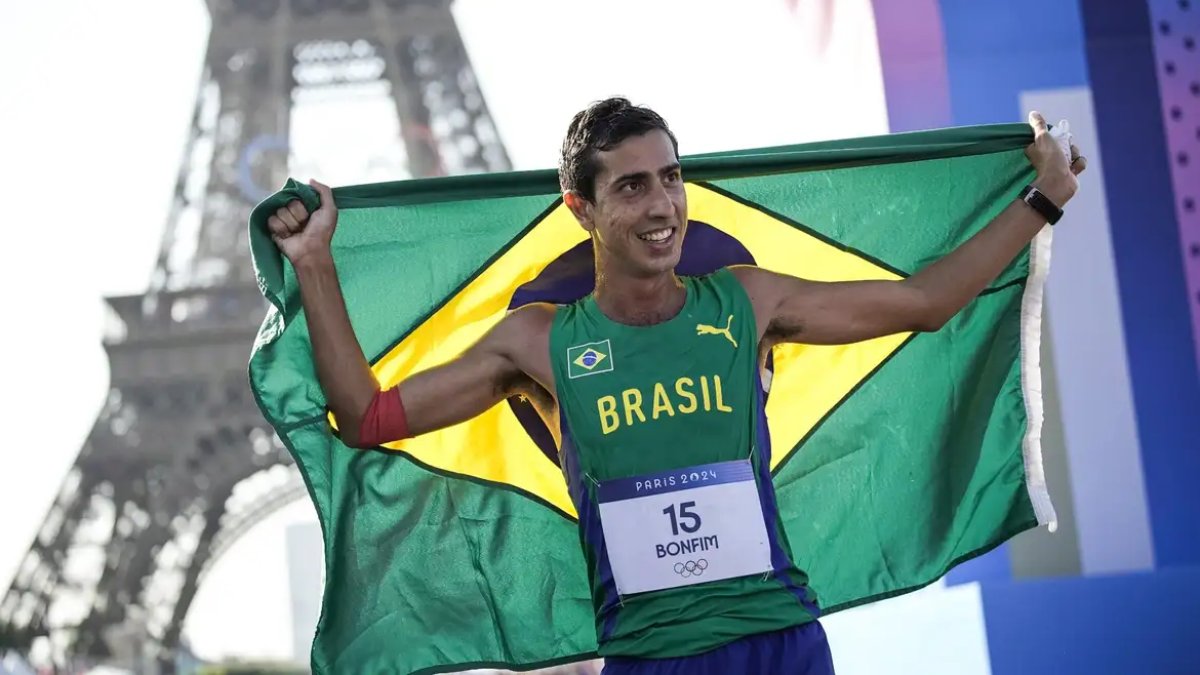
column 683, row 527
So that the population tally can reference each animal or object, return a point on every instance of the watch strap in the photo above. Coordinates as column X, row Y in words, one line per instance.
column 1041, row 203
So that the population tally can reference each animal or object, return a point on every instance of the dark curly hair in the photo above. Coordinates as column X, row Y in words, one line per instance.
column 602, row 126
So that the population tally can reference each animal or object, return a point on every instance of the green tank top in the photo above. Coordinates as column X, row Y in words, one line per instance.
column 636, row 401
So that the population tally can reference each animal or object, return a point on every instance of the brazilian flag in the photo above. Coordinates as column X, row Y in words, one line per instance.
column 896, row 458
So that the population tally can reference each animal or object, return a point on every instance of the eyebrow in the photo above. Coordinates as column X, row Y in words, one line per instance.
column 674, row 166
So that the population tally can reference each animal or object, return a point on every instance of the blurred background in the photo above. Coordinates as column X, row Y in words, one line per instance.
column 151, row 523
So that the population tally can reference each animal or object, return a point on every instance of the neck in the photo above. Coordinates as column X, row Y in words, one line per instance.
column 638, row 301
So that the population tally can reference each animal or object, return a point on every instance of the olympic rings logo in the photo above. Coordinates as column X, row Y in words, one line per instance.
column 691, row 568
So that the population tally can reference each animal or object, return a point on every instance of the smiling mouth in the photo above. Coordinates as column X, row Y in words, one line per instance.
column 657, row 236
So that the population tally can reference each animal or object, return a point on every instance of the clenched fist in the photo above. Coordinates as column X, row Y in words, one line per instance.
column 300, row 234
column 1056, row 177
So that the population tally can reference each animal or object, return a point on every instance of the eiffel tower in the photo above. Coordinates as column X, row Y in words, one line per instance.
column 179, row 463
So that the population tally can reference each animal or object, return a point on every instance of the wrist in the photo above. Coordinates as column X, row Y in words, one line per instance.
column 317, row 261
column 1058, row 188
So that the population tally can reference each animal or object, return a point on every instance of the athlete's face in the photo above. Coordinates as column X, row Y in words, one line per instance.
column 640, row 211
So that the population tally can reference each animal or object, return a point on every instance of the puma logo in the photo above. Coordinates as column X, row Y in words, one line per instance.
column 705, row 329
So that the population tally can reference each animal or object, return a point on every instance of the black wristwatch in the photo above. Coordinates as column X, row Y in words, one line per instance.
column 1041, row 203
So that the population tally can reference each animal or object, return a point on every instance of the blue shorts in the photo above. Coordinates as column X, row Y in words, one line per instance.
column 799, row 650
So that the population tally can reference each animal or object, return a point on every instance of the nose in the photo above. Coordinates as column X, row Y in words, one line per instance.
column 661, row 204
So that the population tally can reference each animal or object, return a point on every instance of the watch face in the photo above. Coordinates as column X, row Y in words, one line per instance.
column 1042, row 204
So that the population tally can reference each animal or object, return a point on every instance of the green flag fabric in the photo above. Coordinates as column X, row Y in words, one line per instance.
column 893, row 459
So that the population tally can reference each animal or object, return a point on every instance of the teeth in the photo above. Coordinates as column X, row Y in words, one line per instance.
column 657, row 235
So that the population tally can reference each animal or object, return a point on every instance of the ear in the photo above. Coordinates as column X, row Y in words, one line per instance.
column 581, row 208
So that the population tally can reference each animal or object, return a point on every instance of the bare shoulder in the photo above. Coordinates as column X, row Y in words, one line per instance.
column 528, row 324
column 524, row 336
column 752, row 277
column 763, row 286
column 767, row 291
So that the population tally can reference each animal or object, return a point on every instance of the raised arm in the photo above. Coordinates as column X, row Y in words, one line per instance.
column 484, row 375
column 798, row 310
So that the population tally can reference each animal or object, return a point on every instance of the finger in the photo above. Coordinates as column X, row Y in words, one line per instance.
column 1079, row 165
column 296, row 208
column 289, row 221
column 277, row 229
column 1037, row 122
column 326, row 195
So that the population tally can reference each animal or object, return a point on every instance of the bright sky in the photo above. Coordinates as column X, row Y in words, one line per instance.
column 96, row 102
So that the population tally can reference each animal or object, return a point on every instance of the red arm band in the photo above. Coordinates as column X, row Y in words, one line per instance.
column 384, row 420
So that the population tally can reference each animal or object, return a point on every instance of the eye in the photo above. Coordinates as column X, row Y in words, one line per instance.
column 674, row 177
column 631, row 186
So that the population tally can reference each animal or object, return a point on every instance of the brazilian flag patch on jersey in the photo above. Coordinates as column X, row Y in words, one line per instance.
column 589, row 359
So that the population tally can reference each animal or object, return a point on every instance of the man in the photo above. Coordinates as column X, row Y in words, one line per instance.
column 681, row 421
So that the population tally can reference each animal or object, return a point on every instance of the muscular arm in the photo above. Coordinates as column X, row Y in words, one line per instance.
column 487, row 373
column 797, row 310
column 482, row 376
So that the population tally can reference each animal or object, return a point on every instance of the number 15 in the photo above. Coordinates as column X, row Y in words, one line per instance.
column 684, row 515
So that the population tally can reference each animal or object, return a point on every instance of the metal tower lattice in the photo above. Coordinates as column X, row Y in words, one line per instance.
column 180, row 463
